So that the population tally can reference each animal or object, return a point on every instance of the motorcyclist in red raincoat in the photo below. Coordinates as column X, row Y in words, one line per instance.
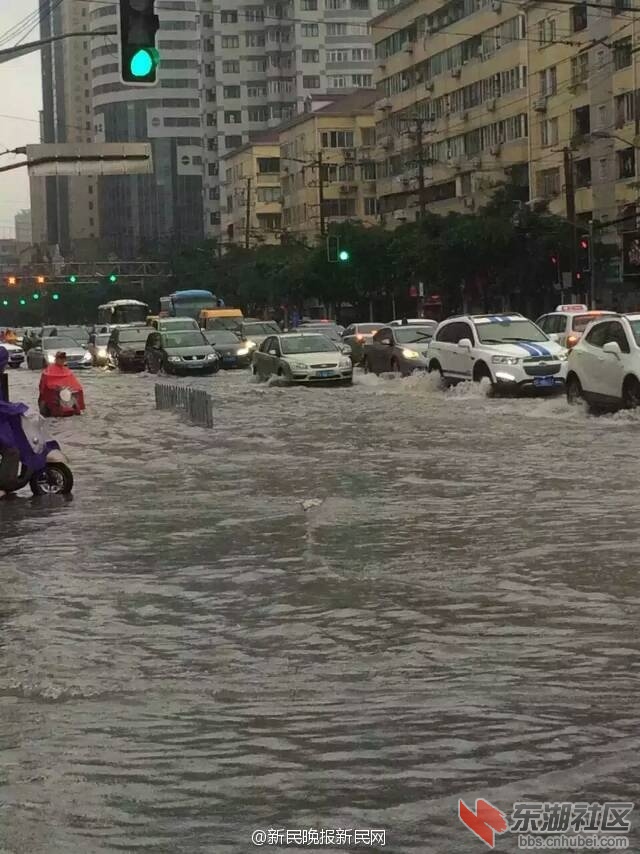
column 60, row 392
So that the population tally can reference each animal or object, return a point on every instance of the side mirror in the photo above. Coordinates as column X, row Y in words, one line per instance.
column 612, row 347
column 387, row 341
column 346, row 349
column 465, row 344
column 554, row 336
column 273, row 352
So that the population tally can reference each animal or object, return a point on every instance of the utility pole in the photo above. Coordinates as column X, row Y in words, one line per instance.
column 570, row 201
column 247, row 225
column 592, row 269
column 421, row 161
column 323, row 230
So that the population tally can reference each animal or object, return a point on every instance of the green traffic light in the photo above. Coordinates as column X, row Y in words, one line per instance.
column 36, row 296
column 113, row 278
column 23, row 301
column 343, row 255
column 55, row 296
column 73, row 278
column 142, row 63
column 5, row 302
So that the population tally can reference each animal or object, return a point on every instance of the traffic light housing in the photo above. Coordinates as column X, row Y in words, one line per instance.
column 584, row 255
column 554, row 260
column 12, row 281
column 73, row 278
column 138, row 53
column 55, row 296
column 333, row 247
column 40, row 280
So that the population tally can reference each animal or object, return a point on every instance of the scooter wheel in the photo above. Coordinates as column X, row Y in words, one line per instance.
column 55, row 479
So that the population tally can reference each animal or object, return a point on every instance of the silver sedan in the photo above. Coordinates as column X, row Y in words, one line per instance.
column 399, row 349
column 302, row 358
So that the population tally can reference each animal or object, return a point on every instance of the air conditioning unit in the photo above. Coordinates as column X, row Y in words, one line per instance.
column 464, row 115
column 408, row 46
column 348, row 189
column 386, row 141
column 456, row 72
column 349, row 153
column 429, row 85
column 384, row 105
column 406, row 182
column 491, row 105
column 495, row 149
column 540, row 104
column 496, row 5
column 381, row 64
column 454, row 162
column 429, row 30
column 476, row 162
column 469, row 202
column 400, row 216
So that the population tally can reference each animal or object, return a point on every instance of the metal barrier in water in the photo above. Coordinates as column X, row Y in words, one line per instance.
column 196, row 403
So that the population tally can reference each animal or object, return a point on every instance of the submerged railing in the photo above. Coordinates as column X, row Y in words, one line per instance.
column 196, row 403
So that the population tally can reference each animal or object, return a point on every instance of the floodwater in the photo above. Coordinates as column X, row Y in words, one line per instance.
column 188, row 654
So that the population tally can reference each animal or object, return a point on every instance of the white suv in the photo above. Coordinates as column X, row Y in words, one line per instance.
column 604, row 366
column 508, row 349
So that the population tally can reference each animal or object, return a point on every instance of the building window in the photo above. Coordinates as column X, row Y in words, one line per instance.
column 622, row 53
column 254, row 13
column 335, row 4
column 336, row 81
column 339, row 207
column 579, row 17
column 231, row 66
column 581, row 121
column 583, row 172
column 580, row 68
column 91, row 222
column 269, row 194
column 270, row 222
column 626, row 162
column 259, row 91
column 368, row 171
column 257, row 64
column 234, row 141
column 361, row 54
column 360, row 5
column 311, row 82
column 549, row 132
column 337, row 139
column 549, row 182
column 311, row 56
column 214, row 218
column 309, row 5
column 625, row 108
column 602, row 169
column 231, row 91
column 337, row 29
column 258, row 114
column 548, row 81
column 370, row 206
column 620, row 6
column 228, row 17
column 546, row 31
column 231, row 41
column 233, row 117
column 213, row 169
column 362, row 81
column 214, row 194
column 268, row 165
column 337, row 56
column 309, row 30
column 254, row 39
column 90, row 206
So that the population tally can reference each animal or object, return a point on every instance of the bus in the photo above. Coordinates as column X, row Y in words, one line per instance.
column 187, row 303
column 120, row 312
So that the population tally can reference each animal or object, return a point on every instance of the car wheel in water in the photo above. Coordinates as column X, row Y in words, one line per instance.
column 366, row 367
column 481, row 372
column 631, row 393
column 395, row 367
column 55, row 479
column 574, row 390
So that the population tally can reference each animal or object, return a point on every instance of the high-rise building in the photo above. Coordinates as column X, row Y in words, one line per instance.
column 64, row 210
column 142, row 212
column 261, row 63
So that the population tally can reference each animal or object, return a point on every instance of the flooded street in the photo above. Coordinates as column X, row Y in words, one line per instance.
column 188, row 654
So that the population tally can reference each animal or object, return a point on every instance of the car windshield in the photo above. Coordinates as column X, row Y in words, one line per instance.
column 306, row 344
column 177, row 325
column 102, row 340
column 581, row 321
column 222, row 336
column 260, row 329
column 137, row 336
column 414, row 334
column 78, row 333
column 224, row 323
column 331, row 332
column 504, row 331
column 368, row 328
column 190, row 338
column 635, row 328
column 60, row 344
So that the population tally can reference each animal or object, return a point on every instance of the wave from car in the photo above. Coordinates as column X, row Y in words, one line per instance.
column 302, row 357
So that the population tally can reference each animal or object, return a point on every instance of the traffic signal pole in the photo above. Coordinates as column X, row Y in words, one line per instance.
column 592, row 269
column 323, row 230
column 570, row 202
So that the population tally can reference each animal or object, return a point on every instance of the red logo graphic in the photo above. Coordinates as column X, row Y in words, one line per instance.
column 485, row 822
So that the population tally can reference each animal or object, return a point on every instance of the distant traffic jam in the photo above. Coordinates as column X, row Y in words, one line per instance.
column 593, row 356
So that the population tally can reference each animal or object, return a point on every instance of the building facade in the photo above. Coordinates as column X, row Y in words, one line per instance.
column 327, row 164
column 64, row 210
column 453, row 104
column 141, row 212
column 253, row 212
column 262, row 63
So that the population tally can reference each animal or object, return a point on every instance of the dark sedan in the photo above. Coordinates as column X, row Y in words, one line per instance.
column 401, row 349
column 233, row 352
column 180, row 352
column 126, row 347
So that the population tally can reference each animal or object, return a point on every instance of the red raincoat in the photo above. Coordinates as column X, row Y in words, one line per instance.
column 54, row 380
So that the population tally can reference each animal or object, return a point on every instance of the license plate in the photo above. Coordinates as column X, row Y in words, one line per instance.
column 544, row 382
column 230, row 360
column 325, row 373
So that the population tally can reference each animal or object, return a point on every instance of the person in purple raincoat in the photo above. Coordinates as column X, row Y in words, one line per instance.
column 9, row 454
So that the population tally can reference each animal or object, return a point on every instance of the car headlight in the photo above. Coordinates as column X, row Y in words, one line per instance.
column 344, row 363
column 251, row 345
column 243, row 351
column 298, row 366
column 174, row 359
column 411, row 354
column 51, row 358
column 101, row 351
column 505, row 360
column 86, row 357
column 562, row 356
column 211, row 357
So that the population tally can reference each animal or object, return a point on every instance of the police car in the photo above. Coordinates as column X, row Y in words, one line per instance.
column 507, row 349
column 567, row 323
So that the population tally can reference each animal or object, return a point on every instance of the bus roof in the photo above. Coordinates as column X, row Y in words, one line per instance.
column 192, row 294
column 118, row 302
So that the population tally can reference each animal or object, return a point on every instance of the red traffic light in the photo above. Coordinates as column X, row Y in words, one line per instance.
column 554, row 260
column 584, row 243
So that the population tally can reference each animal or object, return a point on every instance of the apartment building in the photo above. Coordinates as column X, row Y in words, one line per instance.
column 339, row 140
column 253, row 212
column 64, row 210
column 262, row 63
column 453, row 97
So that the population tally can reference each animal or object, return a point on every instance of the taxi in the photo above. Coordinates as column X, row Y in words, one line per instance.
column 568, row 322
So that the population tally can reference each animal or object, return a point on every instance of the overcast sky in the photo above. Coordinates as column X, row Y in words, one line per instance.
column 20, row 84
